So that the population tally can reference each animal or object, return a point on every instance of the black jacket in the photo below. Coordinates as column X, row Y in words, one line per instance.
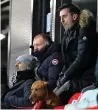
column 95, row 85
column 50, row 64
column 18, row 95
column 79, row 52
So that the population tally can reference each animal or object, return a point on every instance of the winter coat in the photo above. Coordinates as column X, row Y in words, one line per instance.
column 18, row 95
column 79, row 52
column 50, row 65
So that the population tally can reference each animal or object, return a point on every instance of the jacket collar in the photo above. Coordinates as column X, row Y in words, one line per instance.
column 50, row 50
column 25, row 75
column 71, row 34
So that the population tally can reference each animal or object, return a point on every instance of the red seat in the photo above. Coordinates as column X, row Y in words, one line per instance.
column 76, row 96
column 92, row 108
column 38, row 104
column 59, row 107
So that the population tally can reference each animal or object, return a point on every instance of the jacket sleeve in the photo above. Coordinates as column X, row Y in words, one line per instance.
column 87, row 51
column 55, row 68
column 12, row 99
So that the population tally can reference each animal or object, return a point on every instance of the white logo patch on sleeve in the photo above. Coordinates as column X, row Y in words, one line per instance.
column 54, row 61
column 84, row 38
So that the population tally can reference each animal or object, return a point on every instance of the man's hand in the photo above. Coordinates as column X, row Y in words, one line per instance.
column 58, row 84
column 61, row 81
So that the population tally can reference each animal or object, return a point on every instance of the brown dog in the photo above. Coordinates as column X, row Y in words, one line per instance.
column 40, row 92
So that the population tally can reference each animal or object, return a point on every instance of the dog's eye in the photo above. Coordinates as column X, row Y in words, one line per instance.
column 36, row 89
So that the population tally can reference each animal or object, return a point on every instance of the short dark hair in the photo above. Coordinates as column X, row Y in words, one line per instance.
column 45, row 36
column 73, row 8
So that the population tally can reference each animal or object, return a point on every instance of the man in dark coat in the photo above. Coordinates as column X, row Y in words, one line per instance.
column 18, row 95
column 49, row 63
column 79, row 51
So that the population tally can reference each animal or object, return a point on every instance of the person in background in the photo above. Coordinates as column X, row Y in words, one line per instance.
column 18, row 95
column 49, row 63
column 79, row 51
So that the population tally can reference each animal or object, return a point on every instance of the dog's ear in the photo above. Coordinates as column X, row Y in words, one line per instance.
column 45, row 83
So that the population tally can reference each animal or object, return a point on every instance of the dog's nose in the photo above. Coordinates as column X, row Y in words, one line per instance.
column 32, row 102
column 30, row 97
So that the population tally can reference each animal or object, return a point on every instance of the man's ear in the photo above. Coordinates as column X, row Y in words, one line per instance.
column 75, row 16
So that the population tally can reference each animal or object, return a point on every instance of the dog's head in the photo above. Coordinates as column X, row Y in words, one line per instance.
column 38, row 91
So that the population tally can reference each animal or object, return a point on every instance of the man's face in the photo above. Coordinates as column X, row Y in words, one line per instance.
column 39, row 43
column 20, row 66
column 67, row 19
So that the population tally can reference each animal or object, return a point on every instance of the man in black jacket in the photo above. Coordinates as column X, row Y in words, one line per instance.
column 49, row 63
column 18, row 95
column 79, row 51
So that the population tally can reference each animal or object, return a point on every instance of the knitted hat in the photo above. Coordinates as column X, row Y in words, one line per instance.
column 28, row 60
